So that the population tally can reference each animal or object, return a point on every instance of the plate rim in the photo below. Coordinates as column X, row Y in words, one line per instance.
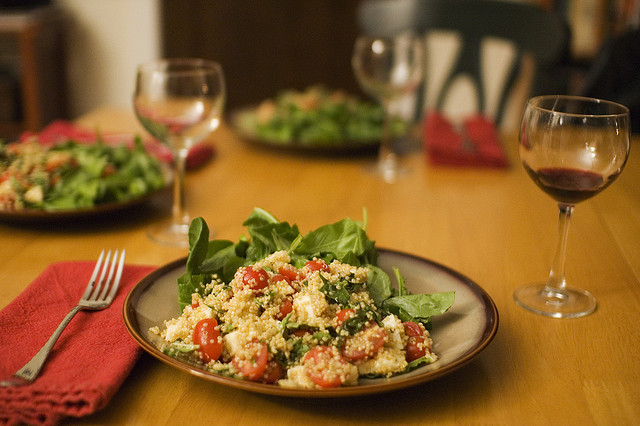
column 41, row 215
column 489, row 332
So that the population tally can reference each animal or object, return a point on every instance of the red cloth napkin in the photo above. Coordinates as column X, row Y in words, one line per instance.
column 61, row 131
column 89, row 361
column 476, row 144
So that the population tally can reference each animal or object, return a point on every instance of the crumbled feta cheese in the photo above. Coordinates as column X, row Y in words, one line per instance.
column 386, row 362
column 395, row 332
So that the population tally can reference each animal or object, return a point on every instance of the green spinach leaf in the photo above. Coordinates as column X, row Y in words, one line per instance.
column 345, row 240
column 419, row 307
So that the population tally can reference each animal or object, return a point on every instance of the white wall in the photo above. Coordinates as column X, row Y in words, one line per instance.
column 105, row 42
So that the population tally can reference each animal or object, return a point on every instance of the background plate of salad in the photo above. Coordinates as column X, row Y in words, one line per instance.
column 459, row 335
column 315, row 120
column 69, row 179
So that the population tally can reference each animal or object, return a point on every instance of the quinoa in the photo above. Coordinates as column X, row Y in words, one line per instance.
column 297, row 320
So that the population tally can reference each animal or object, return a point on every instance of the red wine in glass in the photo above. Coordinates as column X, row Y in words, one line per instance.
column 569, row 186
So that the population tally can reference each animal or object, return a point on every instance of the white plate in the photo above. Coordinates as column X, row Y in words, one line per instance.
column 458, row 335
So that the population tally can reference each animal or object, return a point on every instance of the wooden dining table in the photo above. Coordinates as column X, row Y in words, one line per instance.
column 493, row 225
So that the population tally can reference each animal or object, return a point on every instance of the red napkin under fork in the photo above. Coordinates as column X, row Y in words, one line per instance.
column 476, row 144
column 89, row 361
column 61, row 131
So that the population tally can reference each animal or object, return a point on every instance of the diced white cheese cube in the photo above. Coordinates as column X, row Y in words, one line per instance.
column 232, row 343
column 34, row 194
column 395, row 331
column 386, row 362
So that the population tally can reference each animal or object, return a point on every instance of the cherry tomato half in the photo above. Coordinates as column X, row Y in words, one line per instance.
column 412, row 328
column 254, row 367
column 344, row 315
column 285, row 309
column 280, row 277
column 300, row 332
column 414, row 348
column 316, row 361
column 207, row 335
column 317, row 265
column 374, row 338
column 256, row 279
column 273, row 372
column 290, row 272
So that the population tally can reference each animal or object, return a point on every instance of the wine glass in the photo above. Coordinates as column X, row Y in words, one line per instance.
column 388, row 68
column 179, row 101
column 573, row 148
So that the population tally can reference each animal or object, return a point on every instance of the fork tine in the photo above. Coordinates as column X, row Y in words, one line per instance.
column 107, row 283
column 92, row 280
column 116, row 282
column 98, row 286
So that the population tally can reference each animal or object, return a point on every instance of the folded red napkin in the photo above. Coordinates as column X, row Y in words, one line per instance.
column 61, row 130
column 89, row 361
column 476, row 144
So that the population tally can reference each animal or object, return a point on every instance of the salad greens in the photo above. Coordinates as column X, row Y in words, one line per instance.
column 345, row 240
column 105, row 174
column 318, row 117
column 73, row 175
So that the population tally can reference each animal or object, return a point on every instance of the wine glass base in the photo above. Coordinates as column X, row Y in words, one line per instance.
column 577, row 303
column 169, row 233
column 386, row 172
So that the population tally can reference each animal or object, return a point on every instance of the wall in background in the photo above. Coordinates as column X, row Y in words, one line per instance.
column 263, row 47
column 266, row 46
column 105, row 42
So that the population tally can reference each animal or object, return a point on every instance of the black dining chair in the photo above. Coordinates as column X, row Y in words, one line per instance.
column 615, row 74
column 539, row 41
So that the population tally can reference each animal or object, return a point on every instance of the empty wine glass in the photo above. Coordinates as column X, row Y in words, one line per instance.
column 572, row 148
column 388, row 68
column 179, row 101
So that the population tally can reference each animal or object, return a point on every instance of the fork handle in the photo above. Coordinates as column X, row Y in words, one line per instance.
column 31, row 369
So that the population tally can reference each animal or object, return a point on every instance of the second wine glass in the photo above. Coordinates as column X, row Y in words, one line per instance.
column 572, row 148
column 179, row 101
column 388, row 68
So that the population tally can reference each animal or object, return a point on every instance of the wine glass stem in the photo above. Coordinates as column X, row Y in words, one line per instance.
column 386, row 156
column 555, row 290
column 180, row 216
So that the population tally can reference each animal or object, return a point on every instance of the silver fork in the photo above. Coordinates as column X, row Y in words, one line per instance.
column 98, row 295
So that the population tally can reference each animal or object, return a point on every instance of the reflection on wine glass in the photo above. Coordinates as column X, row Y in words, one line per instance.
column 178, row 101
column 388, row 69
column 572, row 148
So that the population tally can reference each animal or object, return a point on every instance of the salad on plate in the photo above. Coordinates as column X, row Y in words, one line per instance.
column 306, row 311
column 314, row 119
column 72, row 175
